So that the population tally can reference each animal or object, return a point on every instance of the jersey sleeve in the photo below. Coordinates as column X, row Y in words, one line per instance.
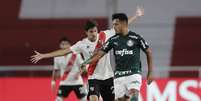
column 109, row 33
column 79, row 59
column 107, row 46
column 56, row 65
column 76, row 47
column 143, row 44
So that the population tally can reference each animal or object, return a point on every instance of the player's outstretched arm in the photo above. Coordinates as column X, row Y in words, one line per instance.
column 150, row 66
column 139, row 12
column 98, row 55
column 38, row 56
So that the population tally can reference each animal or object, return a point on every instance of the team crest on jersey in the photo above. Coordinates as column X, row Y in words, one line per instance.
column 130, row 43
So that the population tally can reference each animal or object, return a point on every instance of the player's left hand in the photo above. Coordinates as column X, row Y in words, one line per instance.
column 149, row 78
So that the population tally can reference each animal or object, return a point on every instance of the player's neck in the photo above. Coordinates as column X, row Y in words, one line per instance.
column 92, row 39
column 125, row 32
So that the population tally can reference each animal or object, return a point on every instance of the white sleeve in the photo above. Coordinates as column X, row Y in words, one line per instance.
column 56, row 65
column 76, row 47
column 79, row 59
column 109, row 33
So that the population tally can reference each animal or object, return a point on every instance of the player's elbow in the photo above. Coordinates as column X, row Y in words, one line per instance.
column 149, row 51
column 66, row 51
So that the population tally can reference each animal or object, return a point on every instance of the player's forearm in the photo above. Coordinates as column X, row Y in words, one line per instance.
column 60, row 52
column 149, row 61
column 92, row 59
column 132, row 19
column 95, row 57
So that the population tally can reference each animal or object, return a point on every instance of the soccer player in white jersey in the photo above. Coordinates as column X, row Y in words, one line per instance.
column 67, row 68
column 101, row 78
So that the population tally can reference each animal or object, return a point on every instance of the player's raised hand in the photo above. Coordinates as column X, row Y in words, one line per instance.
column 139, row 11
column 35, row 58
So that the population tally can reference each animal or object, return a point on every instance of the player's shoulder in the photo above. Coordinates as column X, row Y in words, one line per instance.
column 109, row 32
column 58, row 58
column 77, row 54
column 114, row 37
column 134, row 35
column 82, row 41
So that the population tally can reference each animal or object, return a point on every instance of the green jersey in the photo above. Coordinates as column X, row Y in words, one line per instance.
column 126, row 50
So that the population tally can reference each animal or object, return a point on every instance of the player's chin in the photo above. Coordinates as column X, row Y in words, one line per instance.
column 117, row 31
column 93, row 37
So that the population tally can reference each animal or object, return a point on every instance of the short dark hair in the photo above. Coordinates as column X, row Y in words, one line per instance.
column 120, row 16
column 90, row 24
column 64, row 39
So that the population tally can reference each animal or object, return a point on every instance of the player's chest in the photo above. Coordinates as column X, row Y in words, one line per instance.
column 125, row 43
column 88, row 49
column 62, row 62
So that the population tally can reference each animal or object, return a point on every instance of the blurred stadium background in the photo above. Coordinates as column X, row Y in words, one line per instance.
column 173, row 28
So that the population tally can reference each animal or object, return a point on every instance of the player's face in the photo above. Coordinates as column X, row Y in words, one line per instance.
column 64, row 44
column 92, row 33
column 117, row 25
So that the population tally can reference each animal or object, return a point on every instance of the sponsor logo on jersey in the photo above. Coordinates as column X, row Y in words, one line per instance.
column 124, row 52
column 123, row 72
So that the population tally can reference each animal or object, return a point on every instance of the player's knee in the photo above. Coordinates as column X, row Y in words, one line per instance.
column 134, row 94
column 121, row 99
column 59, row 98
column 93, row 98
column 83, row 98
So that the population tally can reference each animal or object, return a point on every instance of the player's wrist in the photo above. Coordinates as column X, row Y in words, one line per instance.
column 45, row 55
column 86, row 62
column 150, row 73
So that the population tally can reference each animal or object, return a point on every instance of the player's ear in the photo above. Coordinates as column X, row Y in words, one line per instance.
column 125, row 23
column 86, row 32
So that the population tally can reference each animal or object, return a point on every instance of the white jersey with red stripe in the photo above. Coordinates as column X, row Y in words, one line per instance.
column 61, row 63
column 103, row 68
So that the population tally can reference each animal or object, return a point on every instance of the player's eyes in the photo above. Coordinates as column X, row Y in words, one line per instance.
column 92, row 31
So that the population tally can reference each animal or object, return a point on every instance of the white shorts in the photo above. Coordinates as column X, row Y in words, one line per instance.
column 122, row 85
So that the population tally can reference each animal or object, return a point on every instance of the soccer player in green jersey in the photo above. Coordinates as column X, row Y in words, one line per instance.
column 126, row 47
